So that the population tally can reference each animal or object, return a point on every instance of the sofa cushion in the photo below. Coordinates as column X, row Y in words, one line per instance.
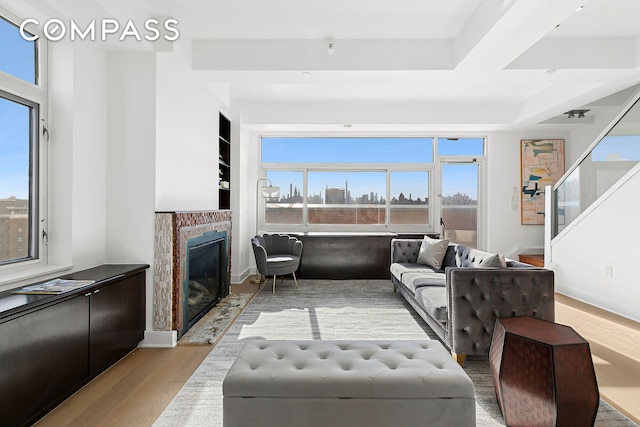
column 433, row 299
column 415, row 280
column 398, row 269
column 432, row 252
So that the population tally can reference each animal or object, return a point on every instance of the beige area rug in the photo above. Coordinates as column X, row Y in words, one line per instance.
column 216, row 322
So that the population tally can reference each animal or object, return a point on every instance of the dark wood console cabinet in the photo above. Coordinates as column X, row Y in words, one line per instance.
column 51, row 345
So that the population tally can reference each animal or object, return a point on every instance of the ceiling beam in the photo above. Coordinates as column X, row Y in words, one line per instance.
column 580, row 53
column 308, row 55
column 500, row 31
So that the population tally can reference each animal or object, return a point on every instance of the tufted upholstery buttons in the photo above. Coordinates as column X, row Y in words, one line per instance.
column 358, row 369
column 340, row 383
column 470, row 296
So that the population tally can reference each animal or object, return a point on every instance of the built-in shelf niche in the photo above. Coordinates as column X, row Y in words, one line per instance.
column 224, row 160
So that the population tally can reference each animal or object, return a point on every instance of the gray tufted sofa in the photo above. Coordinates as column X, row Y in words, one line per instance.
column 462, row 301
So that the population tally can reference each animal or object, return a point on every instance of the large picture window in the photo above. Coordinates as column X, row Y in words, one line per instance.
column 367, row 183
column 355, row 183
column 409, row 202
column 22, row 115
column 345, row 197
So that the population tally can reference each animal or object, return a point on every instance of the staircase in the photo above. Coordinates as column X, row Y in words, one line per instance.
column 592, row 240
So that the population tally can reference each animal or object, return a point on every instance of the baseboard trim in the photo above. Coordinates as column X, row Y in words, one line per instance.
column 239, row 278
column 159, row 339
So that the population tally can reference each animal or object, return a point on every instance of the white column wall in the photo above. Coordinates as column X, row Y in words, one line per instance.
column 246, row 161
column 77, row 151
column 90, row 149
column 186, row 139
column 131, row 166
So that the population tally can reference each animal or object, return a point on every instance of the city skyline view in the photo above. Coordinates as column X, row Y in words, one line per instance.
column 354, row 152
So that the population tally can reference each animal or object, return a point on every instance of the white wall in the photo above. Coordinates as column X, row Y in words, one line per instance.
column 131, row 166
column 607, row 237
column 90, row 150
column 245, row 161
column 77, row 151
column 505, row 233
column 186, row 139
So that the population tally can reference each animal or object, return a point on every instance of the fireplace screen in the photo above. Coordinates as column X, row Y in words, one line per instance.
column 206, row 276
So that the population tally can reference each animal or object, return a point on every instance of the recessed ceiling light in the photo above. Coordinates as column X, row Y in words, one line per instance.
column 551, row 71
column 306, row 73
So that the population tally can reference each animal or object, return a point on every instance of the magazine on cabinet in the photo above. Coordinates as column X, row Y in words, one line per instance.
column 54, row 287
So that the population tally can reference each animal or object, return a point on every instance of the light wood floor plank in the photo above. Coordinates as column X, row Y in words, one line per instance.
column 615, row 347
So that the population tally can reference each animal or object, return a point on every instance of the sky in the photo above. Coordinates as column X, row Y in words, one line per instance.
column 617, row 147
column 17, row 58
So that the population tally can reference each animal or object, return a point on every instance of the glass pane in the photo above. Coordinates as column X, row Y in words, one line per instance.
column 460, row 146
column 409, row 198
column 347, row 150
column 460, row 203
column 568, row 200
column 17, row 55
column 347, row 197
column 287, row 208
column 14, row 180
column 617, row 148
column 614, row 155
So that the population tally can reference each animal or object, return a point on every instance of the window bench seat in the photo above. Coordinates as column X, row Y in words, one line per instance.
column 347, row 255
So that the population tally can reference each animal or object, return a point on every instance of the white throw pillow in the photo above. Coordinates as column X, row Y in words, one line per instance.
column 496, row 260
column 432, row 252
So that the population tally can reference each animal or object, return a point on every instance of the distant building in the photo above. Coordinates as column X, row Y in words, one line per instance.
column 335, row 196
column 14, row 228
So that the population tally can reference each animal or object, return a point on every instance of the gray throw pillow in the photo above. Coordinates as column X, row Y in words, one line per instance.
column 496, row 260
column 432, row 252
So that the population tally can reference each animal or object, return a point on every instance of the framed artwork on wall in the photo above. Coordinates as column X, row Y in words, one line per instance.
column 541, row 164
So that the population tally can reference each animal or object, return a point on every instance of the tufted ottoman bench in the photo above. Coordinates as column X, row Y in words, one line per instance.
column 347, row 383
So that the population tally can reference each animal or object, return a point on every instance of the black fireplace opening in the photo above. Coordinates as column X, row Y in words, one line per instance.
column 206, row 278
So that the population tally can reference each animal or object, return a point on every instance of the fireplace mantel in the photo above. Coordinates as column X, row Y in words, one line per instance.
column 172, row 230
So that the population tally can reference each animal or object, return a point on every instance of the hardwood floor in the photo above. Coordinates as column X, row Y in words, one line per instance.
column 615, row 347
column 136, row 390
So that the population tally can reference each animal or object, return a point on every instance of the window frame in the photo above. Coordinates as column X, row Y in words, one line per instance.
column 387, row 169
column 433, row 169
column 34, row 95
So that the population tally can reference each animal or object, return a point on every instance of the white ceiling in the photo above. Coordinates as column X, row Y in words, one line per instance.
column 485, row 64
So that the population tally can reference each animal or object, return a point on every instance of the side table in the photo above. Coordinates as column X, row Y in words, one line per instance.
column 536, row 260
column 543, row 374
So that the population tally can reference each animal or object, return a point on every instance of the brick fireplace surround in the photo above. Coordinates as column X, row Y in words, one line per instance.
column 172, row 230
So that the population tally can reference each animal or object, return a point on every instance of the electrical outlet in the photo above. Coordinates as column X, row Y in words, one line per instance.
column 608, row 271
